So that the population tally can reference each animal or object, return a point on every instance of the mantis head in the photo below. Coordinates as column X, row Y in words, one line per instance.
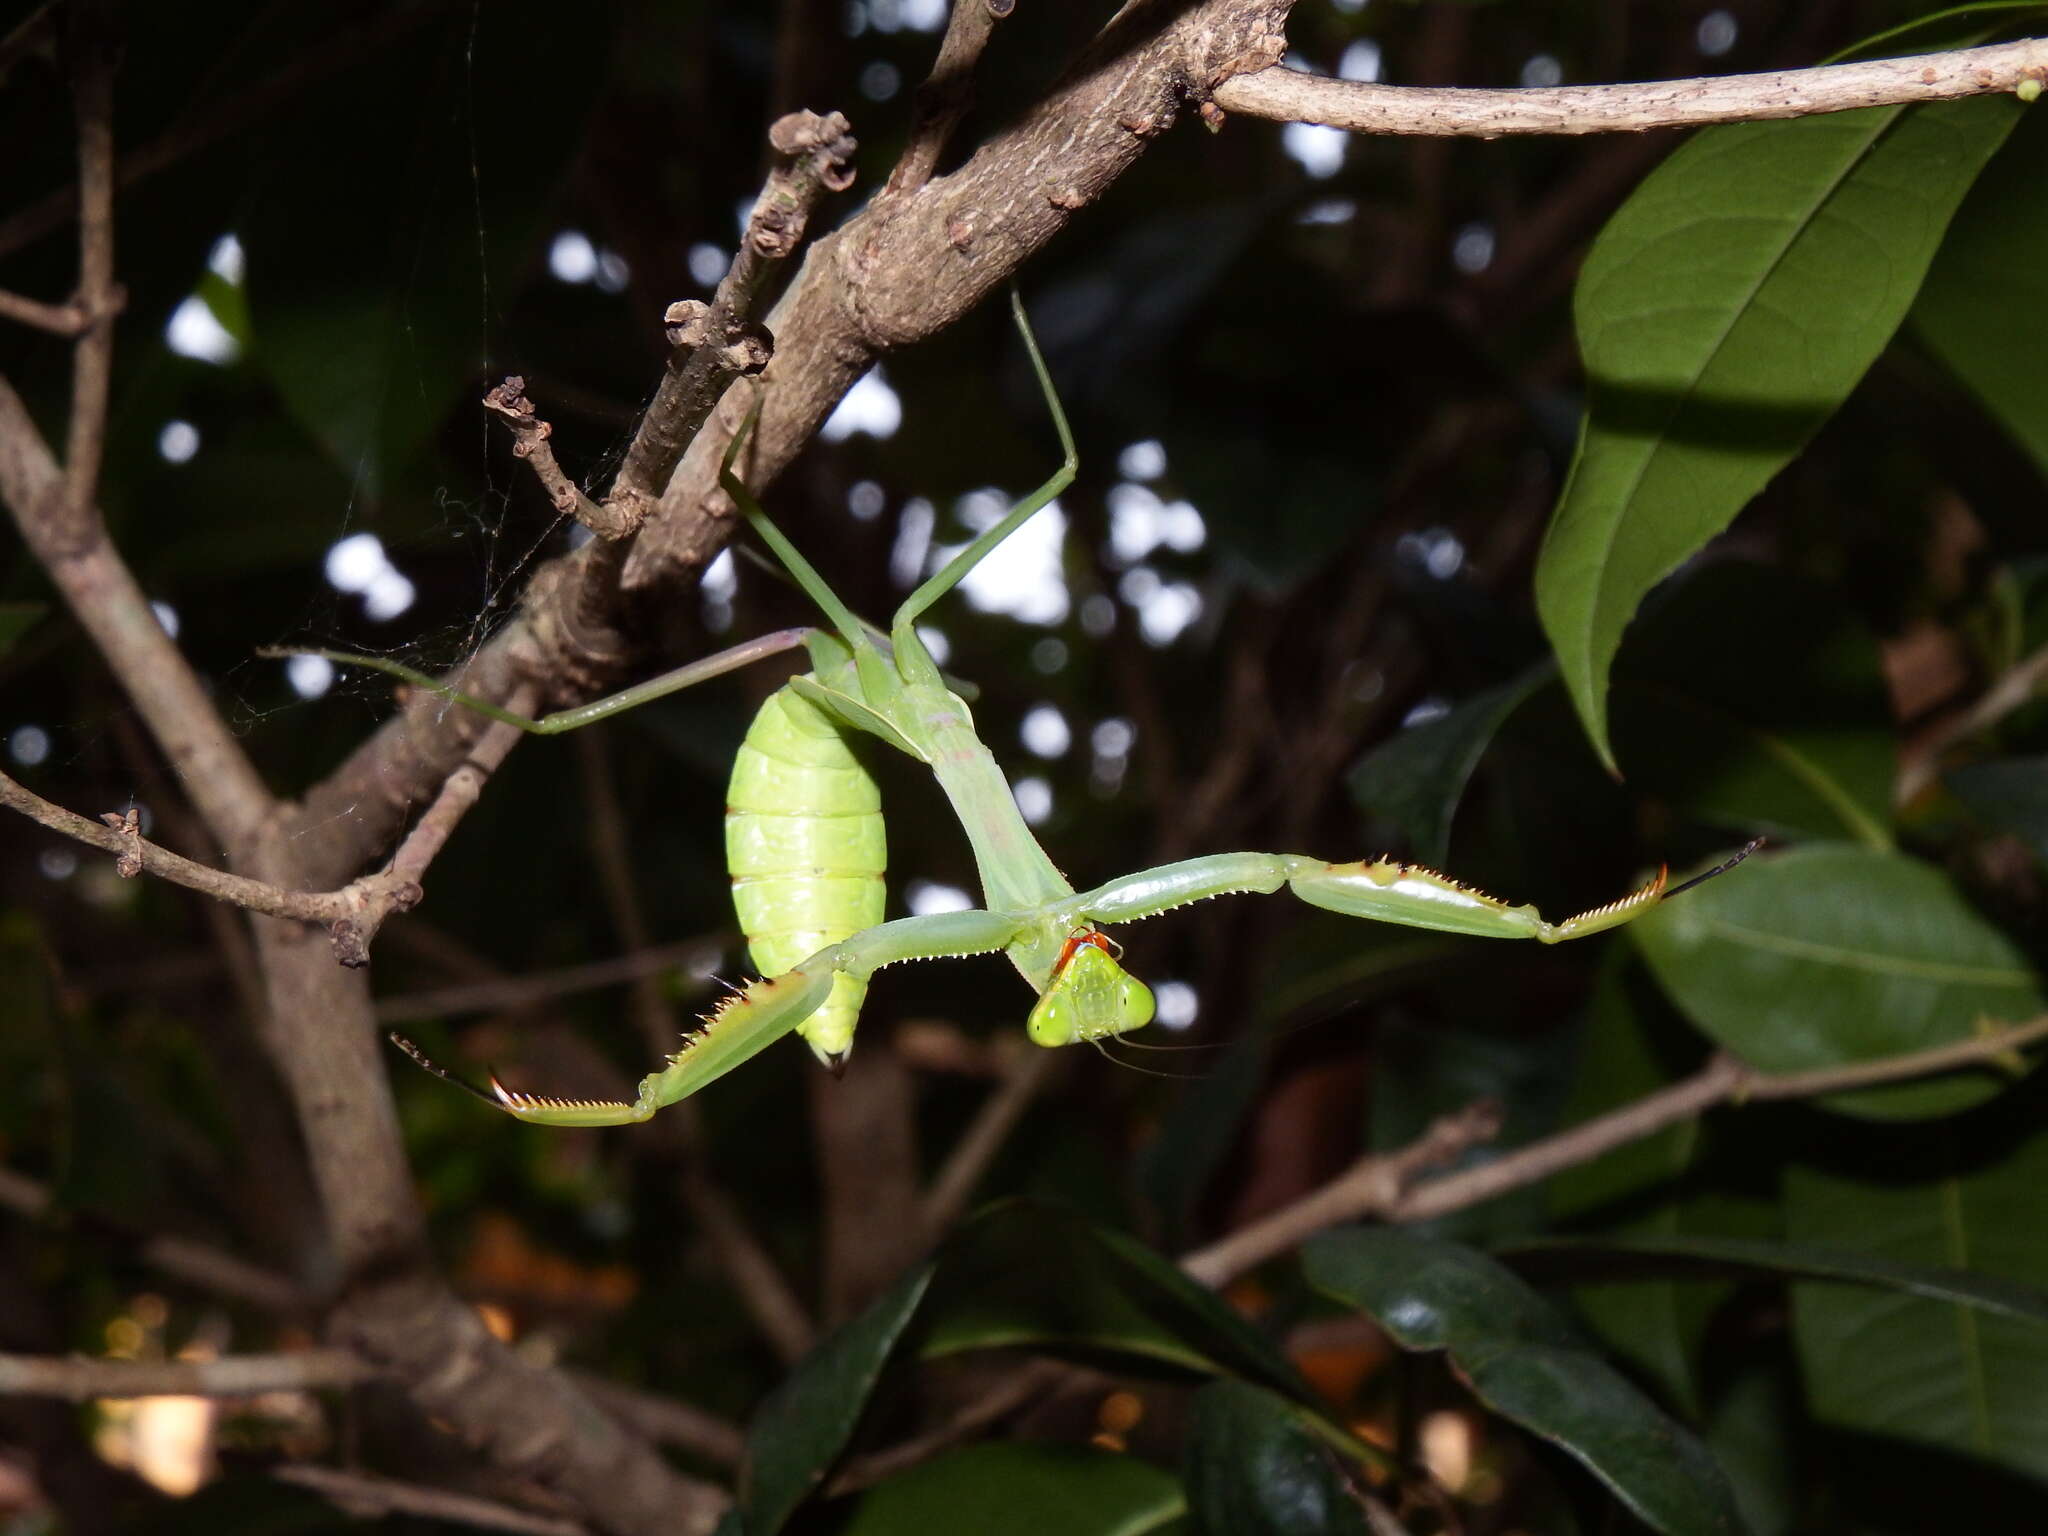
column 1090, row 996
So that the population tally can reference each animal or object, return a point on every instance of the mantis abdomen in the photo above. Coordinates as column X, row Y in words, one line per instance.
column 806, row 850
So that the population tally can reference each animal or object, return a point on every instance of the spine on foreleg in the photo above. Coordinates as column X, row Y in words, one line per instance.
column 806, row 851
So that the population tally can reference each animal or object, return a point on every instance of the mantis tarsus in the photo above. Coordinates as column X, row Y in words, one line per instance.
column 804, row 841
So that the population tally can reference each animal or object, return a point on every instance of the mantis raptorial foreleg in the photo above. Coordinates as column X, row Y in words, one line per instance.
column 1381, row 889
column 758, row 1014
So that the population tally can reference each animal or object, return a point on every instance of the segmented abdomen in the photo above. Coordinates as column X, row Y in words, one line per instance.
column 805, row 847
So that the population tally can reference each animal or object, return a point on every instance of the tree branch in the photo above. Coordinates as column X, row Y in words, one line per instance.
column 1289, row 96
column 814, row 156
column 80, row 1380
column 906, row 268
column 351, row 915
column 530, row 442
column 57, row 319
column 1383, row 1185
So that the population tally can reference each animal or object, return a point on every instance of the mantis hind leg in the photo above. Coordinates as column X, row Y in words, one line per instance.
column 950, row 575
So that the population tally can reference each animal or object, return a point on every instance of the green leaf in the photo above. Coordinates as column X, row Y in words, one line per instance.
column 1941, row 1372
column 1022, row 1273
column 1254, row 1467
column 1417, row 777
column 1754, row 699
column 1723, row 314
column 1828, row 955
column 2009, row 793
column 1984, row 307
column 1018, row 1488
column 1986, row 1293
column 1526, row 1363
column 803, row 1426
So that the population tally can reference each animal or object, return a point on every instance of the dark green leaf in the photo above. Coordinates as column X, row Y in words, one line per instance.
column 1941, row 1372
column 1254, row 1467
column 1986, row 1293
column 1028, row 1274
column 1984, row 307
column 1017, row 1488
column 1526, row 1363
column 1754, row 699
column 801, row 1429
column 1827, row 955
column 1417, row 777
column 1723, row 314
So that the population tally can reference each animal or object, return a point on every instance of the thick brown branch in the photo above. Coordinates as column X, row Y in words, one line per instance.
column 908, row 267
column 1383, row 1184
column 80, row 1380
column 1290, row 96
column 814, row 155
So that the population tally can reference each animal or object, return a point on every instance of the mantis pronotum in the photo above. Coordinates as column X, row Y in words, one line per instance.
column 805, row 845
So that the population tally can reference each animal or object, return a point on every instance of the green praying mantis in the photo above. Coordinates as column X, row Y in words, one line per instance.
column 805, row 842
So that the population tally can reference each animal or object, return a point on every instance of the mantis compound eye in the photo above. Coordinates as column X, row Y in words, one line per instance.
column 1090, row 996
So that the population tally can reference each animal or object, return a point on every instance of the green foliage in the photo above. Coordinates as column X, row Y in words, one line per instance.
column 1526, row 1363
column 1924, row 1367
column 1022, row 1489
column 1832, row 954
column 1254, row 1466
column 1795, row 553
column 1723, row 315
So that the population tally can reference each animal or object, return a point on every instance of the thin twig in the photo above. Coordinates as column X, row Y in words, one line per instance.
column 367, row 1497
column 2013, row 688
column 58, row 319
column 530, row 442
column 1373, row 1183
column 757, row 1279
column 71, row 542
column 396, row 888
column 813, row 155
column 211, row 1270
column 350, row 43
column 350, row 915
column 1032, row 1380
column 507, row 994
column 99, row 297
column 80, row 1380
column 947, row 92
column 1382, row 1185
column 1290, row 96
column 954, row 1184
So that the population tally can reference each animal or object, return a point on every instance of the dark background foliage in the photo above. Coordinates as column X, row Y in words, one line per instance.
column 1366, row 384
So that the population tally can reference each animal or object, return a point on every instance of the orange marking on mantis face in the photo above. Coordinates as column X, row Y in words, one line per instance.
column 1091, row 938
